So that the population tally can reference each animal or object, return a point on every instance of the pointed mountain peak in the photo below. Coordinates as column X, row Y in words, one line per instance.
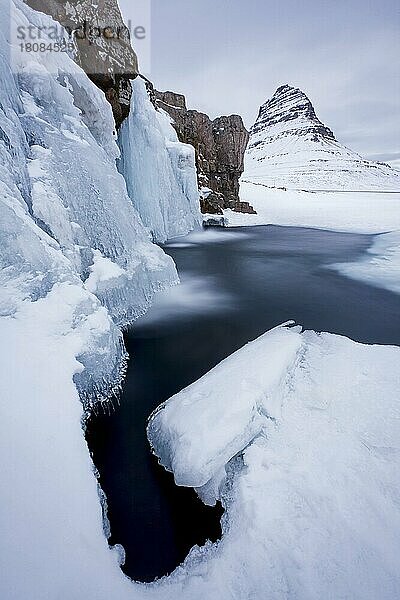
column 285, row 88
column 290, row 108
column 290, row 147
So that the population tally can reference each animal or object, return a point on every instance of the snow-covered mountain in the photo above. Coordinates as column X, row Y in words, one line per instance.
column 290, row 147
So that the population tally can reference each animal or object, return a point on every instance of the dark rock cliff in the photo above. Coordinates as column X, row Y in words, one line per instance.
column 103, row 42
column 220, row 146
column 106, row 55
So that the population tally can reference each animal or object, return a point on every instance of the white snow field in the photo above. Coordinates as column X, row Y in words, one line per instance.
column 370, row 213
column 159, row 170
column 298, row 435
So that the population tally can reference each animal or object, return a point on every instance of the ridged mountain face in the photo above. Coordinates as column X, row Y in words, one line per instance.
column 291, row 107
column 290, row 147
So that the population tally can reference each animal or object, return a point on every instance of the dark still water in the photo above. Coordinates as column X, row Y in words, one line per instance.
column 236, row 284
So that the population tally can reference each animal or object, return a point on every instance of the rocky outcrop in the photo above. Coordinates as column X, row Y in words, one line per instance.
column 105, row 53
column 103, row 42
column 291, row 148
column 219, row 146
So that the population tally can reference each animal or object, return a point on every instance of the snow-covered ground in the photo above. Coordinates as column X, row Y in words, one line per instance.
column 345, row 211
column 381, row 266
column 298, row 434
column 363, row 212
column 52, row 540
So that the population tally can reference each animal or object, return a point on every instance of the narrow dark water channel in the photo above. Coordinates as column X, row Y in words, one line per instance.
column 236, row 285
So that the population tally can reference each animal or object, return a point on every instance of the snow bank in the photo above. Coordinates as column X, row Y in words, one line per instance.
column 159, row 170
column 381, row 267
column 362, row 212
column 66, row 219
column 312, row 503
column 52, row 539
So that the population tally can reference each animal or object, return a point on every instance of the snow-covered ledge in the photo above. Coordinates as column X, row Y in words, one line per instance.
column 312, row 493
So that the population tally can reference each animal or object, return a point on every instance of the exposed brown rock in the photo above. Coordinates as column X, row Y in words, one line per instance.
column 220, row 147
column 105, row 53
column 110, row 62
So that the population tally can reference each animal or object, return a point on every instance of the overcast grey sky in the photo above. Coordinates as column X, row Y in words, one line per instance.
column 229, row 56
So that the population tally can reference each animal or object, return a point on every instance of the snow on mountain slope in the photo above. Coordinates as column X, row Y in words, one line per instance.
column 159, row 170
column 298, row 434
column 290, row 147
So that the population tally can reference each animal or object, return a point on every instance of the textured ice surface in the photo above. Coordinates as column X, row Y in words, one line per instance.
column 75, row 261
column 58, row 166
column 159, row 170
column 300, row 436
